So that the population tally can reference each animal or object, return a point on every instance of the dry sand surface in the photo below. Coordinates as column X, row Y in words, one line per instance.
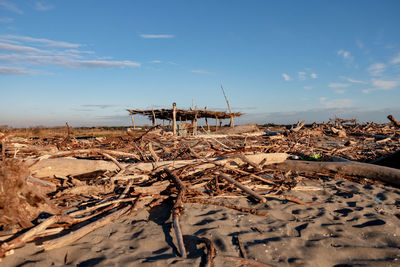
column 350, row 225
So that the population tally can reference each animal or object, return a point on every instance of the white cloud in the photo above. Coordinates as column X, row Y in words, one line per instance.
column 340, row 91
column 338, row 103
column 345, row 54
column 6, row 70
column 62, row 54
column 157, row 36
column 355, row 81
column 10, row 6
column 367, row 91
column 18, row 48
column 384, row 84
column 322, row 99
column 307, row 87
column 338, row 85
column 396, row 60
column 302, row 75
column 45, row 42
column 313, row 75
column 376, row 69
column 102, row 64
column 286, row 77
column 200, row 72
column 41, row 6
column 155, row 61
column 6, row 20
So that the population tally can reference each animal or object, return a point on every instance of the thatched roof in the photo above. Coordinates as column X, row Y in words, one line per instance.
column 183, row 115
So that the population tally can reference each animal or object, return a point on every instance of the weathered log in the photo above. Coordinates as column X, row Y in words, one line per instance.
column 66, row 166
column 244, row 188
column 73, row 236
column 370, row 171
column 393, row 120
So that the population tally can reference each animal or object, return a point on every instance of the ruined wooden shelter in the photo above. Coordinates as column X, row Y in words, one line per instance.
column 173, row 115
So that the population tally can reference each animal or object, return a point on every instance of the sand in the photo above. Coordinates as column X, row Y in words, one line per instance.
column 350, row 224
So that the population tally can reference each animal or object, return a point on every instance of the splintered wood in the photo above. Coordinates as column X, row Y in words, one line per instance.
column 81, row 184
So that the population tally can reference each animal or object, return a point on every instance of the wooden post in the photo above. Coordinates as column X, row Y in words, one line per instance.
column 194, row 122
column 229, row 107
column 174, row 118
column 216, row 123
column 133, row 121
column 232, row 122
column 154, row 117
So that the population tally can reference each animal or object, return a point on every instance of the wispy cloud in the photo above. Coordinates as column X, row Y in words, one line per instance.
column 4, row 4
column 313, row 75
column 395, row 60
column 338, row 85
column 201, row 72
column 6, row 70
column 42, row 6
column 102, row 64
column 157, row 36
column 101, row 106
column 384, row 84
column 155, row 61
column 354, row 80
column 18, row 48
column 6, row 20
column 340, row 91
column 337, row 103
column 376, row 69
column 307, row 87
column 45, row 42
column 345, row 54
column 286, row 77
column 64, row 54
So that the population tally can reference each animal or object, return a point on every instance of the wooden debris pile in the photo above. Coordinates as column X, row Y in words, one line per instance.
column 93, row 181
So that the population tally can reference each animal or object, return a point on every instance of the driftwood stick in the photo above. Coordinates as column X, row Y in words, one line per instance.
column 211, row 252
column 178, row 207
column 114, row 160
column 179, row 237
column 153, row 153
column 373, row 172
column 80, row 212
column 298, row 127
column 73, row 236
column 248, row 161
column 25, row 237
column 241, row 247
column 246, row 262
column 393, row 120
column 243, row 188
column 229, row 206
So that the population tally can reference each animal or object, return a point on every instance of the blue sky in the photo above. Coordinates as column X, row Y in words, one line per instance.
column 85, row 62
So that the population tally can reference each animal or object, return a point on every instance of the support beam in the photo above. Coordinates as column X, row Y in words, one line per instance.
column 133, row 120
column 174, row 118
column 216, row 123
column 194, row 122
column 154, row 117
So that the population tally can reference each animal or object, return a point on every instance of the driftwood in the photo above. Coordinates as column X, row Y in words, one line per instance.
column 244, row 188
column 370, row 171
column 73, row 236
column 72, row 167
column 211, row 252
column 394, row 121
